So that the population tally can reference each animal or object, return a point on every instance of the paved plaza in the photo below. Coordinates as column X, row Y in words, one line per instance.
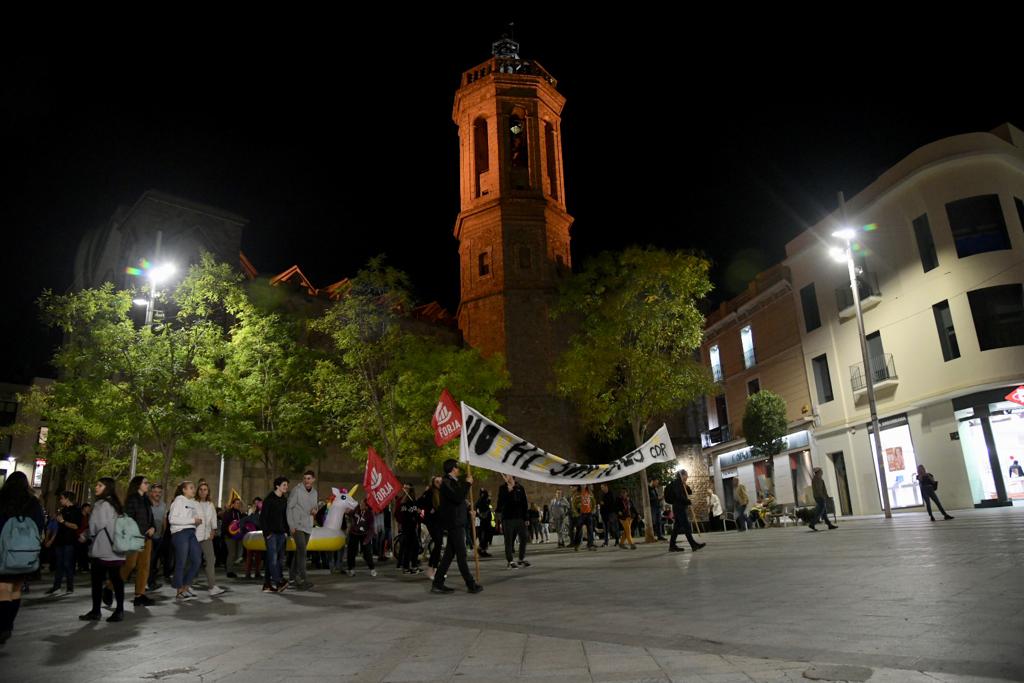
column 900, row 600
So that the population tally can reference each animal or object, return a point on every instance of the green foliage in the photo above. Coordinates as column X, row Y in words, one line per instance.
column 379, row 381
column 764, row 426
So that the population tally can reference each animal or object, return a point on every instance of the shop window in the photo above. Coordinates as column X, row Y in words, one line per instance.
column 925, row 243
column 809, row 301
column 822, row 379
column 899, row 461
column 801, row 469
column 998, row 314
column 484, row 263
column 947, row 334
column 753, row 386
column 978, row 225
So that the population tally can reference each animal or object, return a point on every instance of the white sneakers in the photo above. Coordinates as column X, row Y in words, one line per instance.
column 373, row 572
column 217, row 590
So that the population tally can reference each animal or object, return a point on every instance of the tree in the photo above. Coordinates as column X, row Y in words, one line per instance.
column 632, row 359
column 764, row 426
column 379, row 380
column 148, row 374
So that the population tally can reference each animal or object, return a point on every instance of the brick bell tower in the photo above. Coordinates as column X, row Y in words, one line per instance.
column 513, row 232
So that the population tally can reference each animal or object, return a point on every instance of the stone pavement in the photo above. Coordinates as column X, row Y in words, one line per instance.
column 904, row 600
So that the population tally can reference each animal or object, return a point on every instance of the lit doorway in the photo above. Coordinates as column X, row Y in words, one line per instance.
column 842, row 485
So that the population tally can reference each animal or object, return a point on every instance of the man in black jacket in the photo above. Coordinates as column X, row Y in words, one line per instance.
column 514, row 510
column 274, row 523
column 453, row 514
column 678, row 495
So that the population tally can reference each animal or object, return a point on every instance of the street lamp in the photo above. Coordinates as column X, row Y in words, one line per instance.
column 845, row 253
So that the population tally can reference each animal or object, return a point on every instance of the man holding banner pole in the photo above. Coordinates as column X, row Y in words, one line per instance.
column 453, row 514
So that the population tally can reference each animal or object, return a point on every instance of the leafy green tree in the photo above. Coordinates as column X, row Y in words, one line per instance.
column 381, row 375
column 632, row 360
column 764, row 426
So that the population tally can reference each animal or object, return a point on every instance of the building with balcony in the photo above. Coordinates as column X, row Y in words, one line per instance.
column 752, row 342
column 940, row 272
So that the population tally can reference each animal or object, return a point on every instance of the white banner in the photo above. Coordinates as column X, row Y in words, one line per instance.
column 486, row 444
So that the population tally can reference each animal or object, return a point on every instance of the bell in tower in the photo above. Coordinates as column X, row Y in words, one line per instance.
column 513, row 232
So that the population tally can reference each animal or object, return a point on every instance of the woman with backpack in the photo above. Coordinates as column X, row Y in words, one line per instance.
column 205, row 534
column 106, row 562
column 137, row 506
column 21, row 525
column 184, row 518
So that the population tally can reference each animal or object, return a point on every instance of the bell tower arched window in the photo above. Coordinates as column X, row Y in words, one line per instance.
column 551, row 159
column 481, row 157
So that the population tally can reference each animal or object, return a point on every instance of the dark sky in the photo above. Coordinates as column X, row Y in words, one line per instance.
column 337, row 142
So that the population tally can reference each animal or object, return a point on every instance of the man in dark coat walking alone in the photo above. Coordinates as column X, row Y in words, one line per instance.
column 453, row 514
column 678, row 495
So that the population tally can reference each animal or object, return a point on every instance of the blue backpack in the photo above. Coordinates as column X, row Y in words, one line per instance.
column 19, row 546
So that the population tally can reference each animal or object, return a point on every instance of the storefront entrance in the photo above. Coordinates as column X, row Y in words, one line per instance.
column 992, row 440
column 899, row 460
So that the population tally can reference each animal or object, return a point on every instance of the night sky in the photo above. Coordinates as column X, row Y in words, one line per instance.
column 337, row 144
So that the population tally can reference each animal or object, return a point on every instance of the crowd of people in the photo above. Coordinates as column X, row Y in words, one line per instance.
column 190, row 535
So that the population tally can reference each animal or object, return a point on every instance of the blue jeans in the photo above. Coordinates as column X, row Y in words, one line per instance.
column 585, row 518
column 741, row 518
column 187, row 553
column 65, row 561
column 276, row 544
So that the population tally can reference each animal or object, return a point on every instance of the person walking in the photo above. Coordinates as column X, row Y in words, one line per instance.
column 453, row 514
column 250, row 523
column 137, row 506
column 161, row 539
column 714, row 511
column 360, row 537
column 626, row 512
column 545, row 522
column 821, row 498
column 205, row 534
column 583, row 507
column 106, row 562
column 408, row 517
column 928, row 486
column 514, row 509
column 184, row 518
column 741, row 500
column 20, row 507
column 430, row 503
column 559, row 506
column 302, row 506
column 677, row 494
column 485, row 513
column 274, row 523
column 69, row 521
column 654, row 491
column 609, row 514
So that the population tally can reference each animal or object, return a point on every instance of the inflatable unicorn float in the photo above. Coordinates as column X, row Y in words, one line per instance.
column 327, row 538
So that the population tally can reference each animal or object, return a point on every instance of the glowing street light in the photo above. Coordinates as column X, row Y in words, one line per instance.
column 845, row 253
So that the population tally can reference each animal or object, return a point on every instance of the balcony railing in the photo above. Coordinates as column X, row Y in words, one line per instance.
column 715, row 436
column 883, row 370
column 749, row 360
column 867, row 287
column 716, row 373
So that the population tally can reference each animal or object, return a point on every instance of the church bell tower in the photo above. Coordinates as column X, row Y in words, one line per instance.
column 513, row 232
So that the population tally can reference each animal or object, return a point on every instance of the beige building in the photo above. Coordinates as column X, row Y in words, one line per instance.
column 941, row 256
column 752, row 342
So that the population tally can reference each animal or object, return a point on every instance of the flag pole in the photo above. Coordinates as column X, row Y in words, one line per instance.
column 472, row 524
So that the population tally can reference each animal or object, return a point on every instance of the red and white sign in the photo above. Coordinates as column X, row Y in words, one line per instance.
column 447, row 420
column 379, row 481
column 1017, row 395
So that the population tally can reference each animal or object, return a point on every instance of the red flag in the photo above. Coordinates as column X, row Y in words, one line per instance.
column 447, row 420
column 379, row 481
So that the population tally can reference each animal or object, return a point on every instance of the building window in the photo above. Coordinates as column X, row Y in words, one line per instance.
column 925, row 243
column 998, row 314
column 525, row 258
column 716, row 363
column 809, row 301
column 747, row 339
column 978, row 225
column 753, row 386
column 552, row 163
column 481, row 156
column 517, row 140
column 822, row 380
column 484, row 263
column 721, row 412
column 1020, row 211
column 947, row 335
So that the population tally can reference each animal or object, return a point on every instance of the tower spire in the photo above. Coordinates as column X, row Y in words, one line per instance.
column 506, row 46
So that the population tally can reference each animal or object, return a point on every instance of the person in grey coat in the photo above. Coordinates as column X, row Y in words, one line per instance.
column 106, row 562
column 302, row 503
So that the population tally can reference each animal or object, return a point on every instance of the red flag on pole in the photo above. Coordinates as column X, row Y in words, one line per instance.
column 379, row 481
column 447, row 420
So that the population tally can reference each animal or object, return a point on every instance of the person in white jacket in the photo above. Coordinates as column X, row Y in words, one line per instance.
column 184, row 518
column 205, row 533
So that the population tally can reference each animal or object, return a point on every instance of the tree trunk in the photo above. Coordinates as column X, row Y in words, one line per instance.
column 168, row 459
column 769, row 471
column 645, row 493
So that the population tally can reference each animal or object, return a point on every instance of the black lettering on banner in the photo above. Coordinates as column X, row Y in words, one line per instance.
column 519, row 450
column 558, row 470
column 529, row 461
column 483, row 444
column 473, row 426
column 659, row 451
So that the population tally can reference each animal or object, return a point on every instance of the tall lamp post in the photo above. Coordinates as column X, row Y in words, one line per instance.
column 845, row 253
column 156, row 274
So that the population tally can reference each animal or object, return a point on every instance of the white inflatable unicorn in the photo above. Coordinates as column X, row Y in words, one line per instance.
column 326, row 538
